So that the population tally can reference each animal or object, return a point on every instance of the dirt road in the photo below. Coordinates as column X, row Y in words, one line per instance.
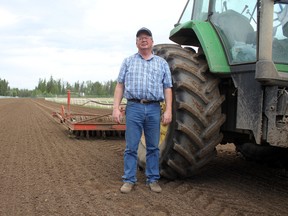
column 44, row 172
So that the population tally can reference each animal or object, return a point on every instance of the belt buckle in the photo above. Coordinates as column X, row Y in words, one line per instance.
column 143, row 101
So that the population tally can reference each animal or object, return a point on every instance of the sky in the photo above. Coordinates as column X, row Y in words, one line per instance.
column 76, row 40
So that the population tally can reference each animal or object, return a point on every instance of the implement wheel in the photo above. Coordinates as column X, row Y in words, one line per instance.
column 189, row 142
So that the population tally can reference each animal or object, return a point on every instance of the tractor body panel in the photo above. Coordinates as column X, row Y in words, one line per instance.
column 245, row 44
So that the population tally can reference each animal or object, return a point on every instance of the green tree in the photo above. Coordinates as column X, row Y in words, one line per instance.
column 4, row 87
column 42, row 86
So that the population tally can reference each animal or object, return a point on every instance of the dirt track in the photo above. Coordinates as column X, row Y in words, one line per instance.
column 44, row 172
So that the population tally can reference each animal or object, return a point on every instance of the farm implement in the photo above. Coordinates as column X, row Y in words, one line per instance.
column 88, row 124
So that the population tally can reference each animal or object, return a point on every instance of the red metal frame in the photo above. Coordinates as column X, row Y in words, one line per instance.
column 87, row 122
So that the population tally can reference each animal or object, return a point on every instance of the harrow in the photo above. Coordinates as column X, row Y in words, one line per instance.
column 90, row 125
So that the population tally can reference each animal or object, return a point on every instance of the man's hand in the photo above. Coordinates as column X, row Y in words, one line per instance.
column 117, row 115
column 117, row 111
column 166, row 118
column 167, row 115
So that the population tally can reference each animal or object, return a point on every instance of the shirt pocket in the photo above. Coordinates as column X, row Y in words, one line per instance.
column 155, row 75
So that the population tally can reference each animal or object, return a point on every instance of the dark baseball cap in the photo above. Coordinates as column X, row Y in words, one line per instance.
column 144, row 30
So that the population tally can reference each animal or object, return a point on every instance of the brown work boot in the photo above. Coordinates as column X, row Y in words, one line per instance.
column 155, row 187
column 126, row 187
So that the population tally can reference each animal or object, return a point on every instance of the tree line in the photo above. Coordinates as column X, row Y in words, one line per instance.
column 53, row 88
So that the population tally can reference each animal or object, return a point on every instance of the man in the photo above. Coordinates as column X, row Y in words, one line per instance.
column 144, row 80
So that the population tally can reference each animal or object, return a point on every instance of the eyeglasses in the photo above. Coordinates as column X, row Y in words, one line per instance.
column 143, row 38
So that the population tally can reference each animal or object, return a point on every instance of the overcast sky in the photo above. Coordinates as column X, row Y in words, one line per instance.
column 76, row 40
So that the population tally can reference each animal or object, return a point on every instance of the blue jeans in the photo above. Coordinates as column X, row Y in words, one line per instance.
column 142, row 117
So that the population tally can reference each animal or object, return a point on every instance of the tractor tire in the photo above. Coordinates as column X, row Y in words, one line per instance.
column 190, row 139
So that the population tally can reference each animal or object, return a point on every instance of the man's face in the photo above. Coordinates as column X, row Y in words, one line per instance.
column 144, row 41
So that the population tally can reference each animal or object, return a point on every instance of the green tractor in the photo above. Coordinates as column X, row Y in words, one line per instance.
column 229, row 67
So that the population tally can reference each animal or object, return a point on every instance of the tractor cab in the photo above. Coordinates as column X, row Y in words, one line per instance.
column 247, row 34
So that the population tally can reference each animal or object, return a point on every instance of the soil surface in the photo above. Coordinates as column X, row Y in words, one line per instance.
column 44, row 171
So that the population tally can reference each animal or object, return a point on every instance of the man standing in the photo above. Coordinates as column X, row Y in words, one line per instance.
column 144, row 80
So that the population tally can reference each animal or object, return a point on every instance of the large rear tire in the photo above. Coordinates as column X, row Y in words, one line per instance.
column 189, row 142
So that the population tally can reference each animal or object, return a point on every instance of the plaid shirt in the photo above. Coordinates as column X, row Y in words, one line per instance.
column 145, row 79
